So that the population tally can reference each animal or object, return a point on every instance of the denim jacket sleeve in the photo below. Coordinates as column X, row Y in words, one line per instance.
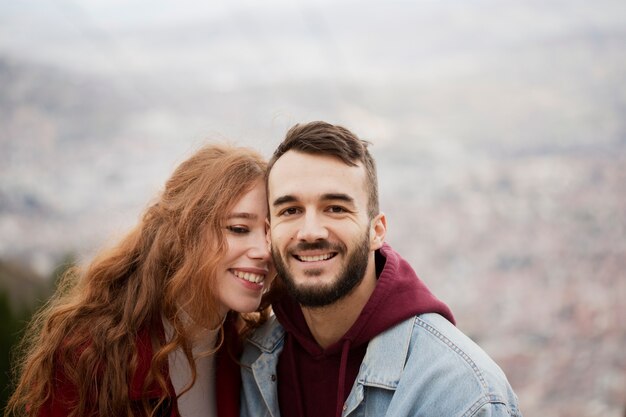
column 423, row 366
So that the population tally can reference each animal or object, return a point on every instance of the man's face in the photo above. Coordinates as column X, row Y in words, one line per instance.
column 320, row 229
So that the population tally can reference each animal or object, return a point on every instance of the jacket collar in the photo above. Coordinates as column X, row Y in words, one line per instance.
column 384, row 360
column 383, row 363
column 269, row 336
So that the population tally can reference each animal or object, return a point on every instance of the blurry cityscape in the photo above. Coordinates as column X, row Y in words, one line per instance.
column 499, row 130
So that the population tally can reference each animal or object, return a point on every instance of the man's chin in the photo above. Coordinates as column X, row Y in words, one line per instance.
column 314, row 296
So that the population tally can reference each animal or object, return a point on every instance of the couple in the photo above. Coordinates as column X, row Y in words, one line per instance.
column 175, row 320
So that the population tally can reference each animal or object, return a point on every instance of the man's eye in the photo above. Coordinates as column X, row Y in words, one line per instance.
column 290, row 211
column 237, row 229
column 336, row 209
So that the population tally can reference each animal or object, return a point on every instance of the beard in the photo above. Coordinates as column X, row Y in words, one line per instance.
column 349, row 277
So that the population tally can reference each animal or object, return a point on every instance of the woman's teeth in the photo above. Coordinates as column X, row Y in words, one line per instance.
column 248, row 276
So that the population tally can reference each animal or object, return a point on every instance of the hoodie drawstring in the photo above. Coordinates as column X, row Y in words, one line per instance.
column 343, row 365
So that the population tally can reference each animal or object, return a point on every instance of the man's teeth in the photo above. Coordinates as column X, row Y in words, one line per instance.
column 249, row 276
column 315, row 258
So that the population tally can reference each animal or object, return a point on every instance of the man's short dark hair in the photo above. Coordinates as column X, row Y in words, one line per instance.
column 321, row 138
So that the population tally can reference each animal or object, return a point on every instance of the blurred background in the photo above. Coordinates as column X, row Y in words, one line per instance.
column 499, row 130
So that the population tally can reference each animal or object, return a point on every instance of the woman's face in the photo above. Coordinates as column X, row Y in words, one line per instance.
column 246, row 268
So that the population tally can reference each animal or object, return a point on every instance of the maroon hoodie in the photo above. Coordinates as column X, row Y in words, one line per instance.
column 315, row 382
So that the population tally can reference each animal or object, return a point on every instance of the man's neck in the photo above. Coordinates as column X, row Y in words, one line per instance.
column 328, row 324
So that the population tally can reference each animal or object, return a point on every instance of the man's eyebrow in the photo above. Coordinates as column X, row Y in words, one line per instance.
column 250, row 216
column 324, row 197
column 337, row 197
column 284, row 199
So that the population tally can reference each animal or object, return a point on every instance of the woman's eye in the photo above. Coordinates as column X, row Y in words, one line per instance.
column 237, row 229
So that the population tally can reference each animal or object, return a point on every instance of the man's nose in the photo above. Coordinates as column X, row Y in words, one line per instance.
column 312, row 228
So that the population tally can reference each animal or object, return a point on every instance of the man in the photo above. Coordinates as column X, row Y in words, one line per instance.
column 356, row 333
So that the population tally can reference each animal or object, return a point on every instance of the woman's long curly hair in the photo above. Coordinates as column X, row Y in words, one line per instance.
column 164, row 268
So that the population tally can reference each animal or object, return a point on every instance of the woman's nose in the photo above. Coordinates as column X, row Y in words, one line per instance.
column 259, row 248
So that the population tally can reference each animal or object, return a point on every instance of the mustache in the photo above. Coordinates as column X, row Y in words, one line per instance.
column 318, row 245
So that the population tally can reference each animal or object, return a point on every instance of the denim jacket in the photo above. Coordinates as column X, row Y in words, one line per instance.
column 423, row 366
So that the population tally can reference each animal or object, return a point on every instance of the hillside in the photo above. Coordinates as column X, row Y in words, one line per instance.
column 24, row 287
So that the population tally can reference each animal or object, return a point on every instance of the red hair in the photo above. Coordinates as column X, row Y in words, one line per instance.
column 164, row 266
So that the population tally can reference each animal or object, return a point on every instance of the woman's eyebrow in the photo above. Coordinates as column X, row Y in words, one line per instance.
column 250, row 216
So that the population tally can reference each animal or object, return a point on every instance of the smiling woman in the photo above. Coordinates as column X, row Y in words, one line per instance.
column 245, row 266
column 150, row 326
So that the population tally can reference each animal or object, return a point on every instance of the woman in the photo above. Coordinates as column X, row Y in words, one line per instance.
column 149, row 328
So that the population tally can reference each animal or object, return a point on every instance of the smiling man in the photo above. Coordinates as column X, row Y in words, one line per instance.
column 356, row 332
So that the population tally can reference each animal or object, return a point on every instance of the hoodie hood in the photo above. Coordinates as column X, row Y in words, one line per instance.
column 398, row 295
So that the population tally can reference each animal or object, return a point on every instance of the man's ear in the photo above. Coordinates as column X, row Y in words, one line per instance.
column 378, row 231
